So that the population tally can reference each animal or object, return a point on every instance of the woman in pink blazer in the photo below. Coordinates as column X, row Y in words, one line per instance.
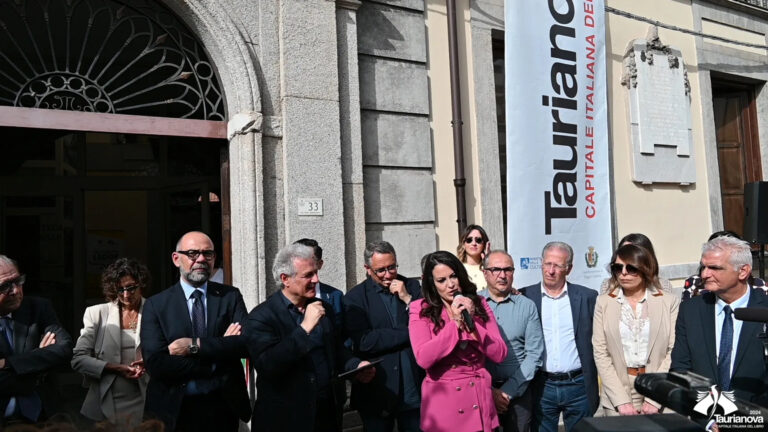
column 456, row 393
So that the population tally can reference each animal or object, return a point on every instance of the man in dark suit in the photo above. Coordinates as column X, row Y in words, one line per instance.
column 325, row 292
column 297, row 352
column 708, row 339
column 377, row 322
column 192, row 346
column 32, row 343
column 568, row 381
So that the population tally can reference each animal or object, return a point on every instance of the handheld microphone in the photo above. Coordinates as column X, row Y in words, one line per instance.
column 468, row 321
column 754, row 314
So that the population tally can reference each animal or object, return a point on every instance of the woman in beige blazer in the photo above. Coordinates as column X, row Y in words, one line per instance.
column 634, row 331
column 108, row 352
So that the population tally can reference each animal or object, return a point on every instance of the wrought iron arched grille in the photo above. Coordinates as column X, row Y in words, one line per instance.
column 105, row 56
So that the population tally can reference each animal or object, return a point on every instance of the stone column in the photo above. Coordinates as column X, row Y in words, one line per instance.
column 247, row 213
column 351, row 143
column 311, row 129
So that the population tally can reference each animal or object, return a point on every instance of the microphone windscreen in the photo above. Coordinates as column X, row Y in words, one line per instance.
column 755, row 314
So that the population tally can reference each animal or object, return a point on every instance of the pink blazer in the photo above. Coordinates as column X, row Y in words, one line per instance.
column 456, row 393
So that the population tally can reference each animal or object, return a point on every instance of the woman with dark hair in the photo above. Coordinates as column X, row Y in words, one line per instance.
column 456, row 393
column 633, row 331
column 473, row 246
column 643, row 241
column 108, row 353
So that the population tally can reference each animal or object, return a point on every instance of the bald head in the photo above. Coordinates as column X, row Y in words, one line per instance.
column 194, row 256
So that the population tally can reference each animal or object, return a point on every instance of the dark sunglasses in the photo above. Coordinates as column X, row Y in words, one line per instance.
column 130, row 288
column 193, row 254
column 8, row 286
column 617, row 268
column 477, row 240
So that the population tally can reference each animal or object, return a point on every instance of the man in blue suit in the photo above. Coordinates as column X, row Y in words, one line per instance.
column 192, row 346
column 568, row 381
column 325, row 292
column 377, row 322
column 708, row 339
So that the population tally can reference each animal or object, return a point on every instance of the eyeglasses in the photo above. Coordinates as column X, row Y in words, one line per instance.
column 130, row 288
column 383, row 270
column 549, row 265
column 496, row 271
column 193, row 254
column 617, row 268
column 478, row 240
column 8, row 286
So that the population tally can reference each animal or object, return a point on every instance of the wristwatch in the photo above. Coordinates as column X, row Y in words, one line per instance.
column 194, row 348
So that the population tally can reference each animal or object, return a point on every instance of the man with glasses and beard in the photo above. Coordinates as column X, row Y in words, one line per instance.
column 376, row 319
column 192, row 346
column 32, row 343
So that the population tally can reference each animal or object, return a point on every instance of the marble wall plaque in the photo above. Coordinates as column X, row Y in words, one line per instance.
column 660, row 113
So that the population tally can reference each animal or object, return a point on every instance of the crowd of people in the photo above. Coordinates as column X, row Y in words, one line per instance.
column 459, row 348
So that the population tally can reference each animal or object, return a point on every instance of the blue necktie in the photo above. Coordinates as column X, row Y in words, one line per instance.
column 5, row 323
column 726, row 345
column 198, row 314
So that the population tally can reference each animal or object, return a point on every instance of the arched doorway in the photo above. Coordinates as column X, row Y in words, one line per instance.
column 114, row 142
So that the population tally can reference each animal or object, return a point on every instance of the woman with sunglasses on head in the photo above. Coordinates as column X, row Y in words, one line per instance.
column 633, row 331
column 472, row 248
column 456, row 393
column 107, row 352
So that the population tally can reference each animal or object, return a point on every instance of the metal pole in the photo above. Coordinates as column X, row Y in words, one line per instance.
column 459, row 182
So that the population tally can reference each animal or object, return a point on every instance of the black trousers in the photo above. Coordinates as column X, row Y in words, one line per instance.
column 208, row 412
column 326, row 416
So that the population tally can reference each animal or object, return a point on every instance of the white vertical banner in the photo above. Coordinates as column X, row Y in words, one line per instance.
column 558, row 183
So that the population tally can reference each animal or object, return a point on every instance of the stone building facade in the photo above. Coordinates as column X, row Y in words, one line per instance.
column 345, row 106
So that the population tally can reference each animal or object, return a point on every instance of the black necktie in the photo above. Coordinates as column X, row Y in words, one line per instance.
column 198, row 314
column 726, row 344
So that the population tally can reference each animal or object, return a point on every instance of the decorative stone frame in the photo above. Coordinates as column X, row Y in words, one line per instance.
column 661, row 153
column 233, row 59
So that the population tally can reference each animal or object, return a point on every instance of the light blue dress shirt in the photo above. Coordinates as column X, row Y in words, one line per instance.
column 520, row 327
column 561, row 354
column 199, row 386
column 188, row 290
column 720, row 315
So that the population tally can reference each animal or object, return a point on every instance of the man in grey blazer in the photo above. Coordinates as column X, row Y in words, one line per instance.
column 32, row 343
column 567, row 383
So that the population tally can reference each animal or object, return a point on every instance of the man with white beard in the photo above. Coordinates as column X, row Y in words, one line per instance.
column 192, row 345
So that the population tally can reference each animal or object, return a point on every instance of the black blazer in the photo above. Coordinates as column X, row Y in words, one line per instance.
column 165, row 319
column 582, row 301
column 333, row 297
column 286, row 389
column 695, row 345
column 374, row 335
column 28, row 364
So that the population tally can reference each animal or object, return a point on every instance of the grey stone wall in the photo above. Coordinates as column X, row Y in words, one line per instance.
column 396, row 141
